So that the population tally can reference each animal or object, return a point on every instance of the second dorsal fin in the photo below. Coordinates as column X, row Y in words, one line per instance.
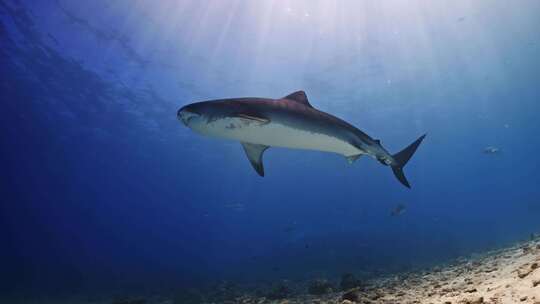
column 300, row 97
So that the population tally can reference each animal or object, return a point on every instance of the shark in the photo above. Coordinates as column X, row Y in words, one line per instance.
column 288, row 122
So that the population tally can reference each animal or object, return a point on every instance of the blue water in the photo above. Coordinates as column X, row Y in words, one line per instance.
column 103, row 190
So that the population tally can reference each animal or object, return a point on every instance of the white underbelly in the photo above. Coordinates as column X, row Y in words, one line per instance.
column 278, row 135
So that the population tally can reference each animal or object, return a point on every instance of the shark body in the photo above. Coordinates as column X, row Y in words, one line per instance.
column 289, row 122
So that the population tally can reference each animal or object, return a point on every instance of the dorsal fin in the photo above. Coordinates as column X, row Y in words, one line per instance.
column 300, row 97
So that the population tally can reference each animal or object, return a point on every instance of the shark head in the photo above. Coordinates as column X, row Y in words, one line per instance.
column 192, row 115
column 201, row 116
column 221, row 118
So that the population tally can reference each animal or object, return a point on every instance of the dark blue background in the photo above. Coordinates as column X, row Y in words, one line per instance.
column 103, row 189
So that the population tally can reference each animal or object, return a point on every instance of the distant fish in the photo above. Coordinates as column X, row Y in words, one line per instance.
column 460, row 19
column 289, row 229
column 491, row 150
column 235, row 206
column 53, row 39
column 398, row 210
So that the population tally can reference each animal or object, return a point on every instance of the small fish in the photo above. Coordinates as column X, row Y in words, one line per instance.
column 235, row 206
column 460, row 19
column 53, row 39
column 398, row 210
column 491, row 150
column 289, row 229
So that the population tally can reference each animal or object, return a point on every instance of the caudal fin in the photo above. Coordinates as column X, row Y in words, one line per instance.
column 402, row 158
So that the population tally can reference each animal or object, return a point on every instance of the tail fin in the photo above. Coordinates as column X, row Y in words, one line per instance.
column 402, row 158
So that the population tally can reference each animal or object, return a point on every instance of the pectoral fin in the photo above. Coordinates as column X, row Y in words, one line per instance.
column 254, row 153
column 351, row 159
column 253, row 118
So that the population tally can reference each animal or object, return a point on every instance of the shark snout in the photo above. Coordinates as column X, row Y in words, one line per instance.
column 186, row 113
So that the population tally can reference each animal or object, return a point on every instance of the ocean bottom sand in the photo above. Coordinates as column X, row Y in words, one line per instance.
column 503, row 276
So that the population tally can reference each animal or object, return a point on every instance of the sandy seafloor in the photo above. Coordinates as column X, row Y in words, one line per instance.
column 507, row 275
